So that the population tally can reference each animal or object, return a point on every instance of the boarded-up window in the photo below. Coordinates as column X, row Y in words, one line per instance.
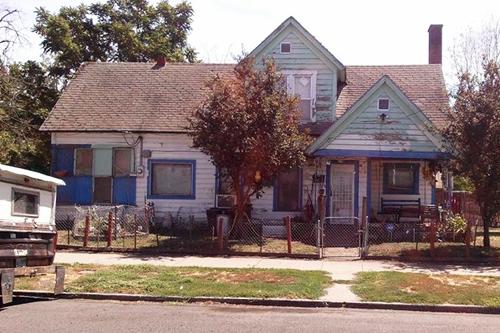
column 287, row 191
column 122, row 161
column 103, row 162
column 102, row 190
column 172, row 179
column 83, row 161
column 25, row 202
column 400, row 178
column 225, row 183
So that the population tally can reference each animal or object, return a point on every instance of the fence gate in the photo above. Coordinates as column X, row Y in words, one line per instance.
column 341, row 237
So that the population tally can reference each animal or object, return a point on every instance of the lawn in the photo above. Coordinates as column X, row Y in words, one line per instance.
column 427, row 289
column 442, row 249
column 187, row 281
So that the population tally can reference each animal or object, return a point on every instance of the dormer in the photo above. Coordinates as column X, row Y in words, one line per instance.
column 311, row 71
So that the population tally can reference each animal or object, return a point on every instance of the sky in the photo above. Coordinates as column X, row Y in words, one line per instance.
column 356, row 32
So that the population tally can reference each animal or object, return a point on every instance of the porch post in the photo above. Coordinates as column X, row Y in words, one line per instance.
column 328, row 185
column 356, row 188
column 368, row 188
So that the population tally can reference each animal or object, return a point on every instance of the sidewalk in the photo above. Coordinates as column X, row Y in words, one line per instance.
column 340, row 270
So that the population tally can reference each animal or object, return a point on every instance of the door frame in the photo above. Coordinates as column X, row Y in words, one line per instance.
column 329, row 170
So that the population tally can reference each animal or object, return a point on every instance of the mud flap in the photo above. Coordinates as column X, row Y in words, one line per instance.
column 7, row 284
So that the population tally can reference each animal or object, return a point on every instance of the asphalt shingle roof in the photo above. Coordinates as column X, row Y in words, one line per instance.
column 143, row 98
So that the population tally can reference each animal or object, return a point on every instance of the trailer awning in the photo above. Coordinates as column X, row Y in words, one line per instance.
column 31, row 174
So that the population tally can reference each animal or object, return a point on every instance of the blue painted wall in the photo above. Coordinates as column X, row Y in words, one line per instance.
column 124, row 190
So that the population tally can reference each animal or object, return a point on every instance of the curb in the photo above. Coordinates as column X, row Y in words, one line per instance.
column 300, row 303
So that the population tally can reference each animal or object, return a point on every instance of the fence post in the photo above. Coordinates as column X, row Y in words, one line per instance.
column 135, row 231
column 86, row 230
column 109, row 232
column 68, row 222
column 364, row 224
column 220, row 233
column 288, row 227
column 319, row 230
column 432, row 238
column 321, row 205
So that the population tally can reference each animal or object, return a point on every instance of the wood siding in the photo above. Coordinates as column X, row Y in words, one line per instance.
column 401, row 130
column 301, row 57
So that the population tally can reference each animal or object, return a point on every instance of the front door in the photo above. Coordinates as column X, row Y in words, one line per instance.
column 342, row 194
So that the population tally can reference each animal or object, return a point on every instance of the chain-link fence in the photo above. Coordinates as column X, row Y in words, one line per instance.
column 182, row 231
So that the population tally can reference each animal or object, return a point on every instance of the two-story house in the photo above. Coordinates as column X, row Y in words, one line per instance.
column 118, row 131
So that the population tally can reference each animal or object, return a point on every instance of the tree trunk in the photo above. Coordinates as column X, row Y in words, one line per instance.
column 486, row 229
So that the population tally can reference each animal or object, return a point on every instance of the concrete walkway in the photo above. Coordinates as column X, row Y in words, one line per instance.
column 340, row 270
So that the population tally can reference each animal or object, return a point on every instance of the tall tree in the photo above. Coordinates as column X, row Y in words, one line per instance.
column 28, row 94
column 117, row 30
column 474, row 123
column 474, row 136
column 249, row 128
column 9, row 32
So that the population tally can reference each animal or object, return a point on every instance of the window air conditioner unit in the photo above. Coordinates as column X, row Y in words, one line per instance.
column 225, row 200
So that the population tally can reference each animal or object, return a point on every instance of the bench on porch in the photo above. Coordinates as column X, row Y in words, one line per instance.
column 398, row 220
column 407, row 209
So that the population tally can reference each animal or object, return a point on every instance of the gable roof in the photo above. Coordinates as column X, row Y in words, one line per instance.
column 126, row 96
column 314, row 44
column 420, row 118
column 423, row 85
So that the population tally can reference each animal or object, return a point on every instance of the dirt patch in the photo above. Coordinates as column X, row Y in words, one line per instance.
column 241, row 277
column 463, row 281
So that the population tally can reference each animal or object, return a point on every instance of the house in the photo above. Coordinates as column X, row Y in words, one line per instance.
column 118, row 132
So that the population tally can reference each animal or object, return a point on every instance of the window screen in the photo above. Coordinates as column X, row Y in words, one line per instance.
column 400, row 178
column 25, row 202
column 102, row 189
column 285, row 47
column 287, row 191
column 83, row 162
column 122, row 161
column 172, row 179
column 383, row 104
column 225, row 183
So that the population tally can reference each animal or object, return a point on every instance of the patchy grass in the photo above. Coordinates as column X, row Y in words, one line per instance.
column 428, row 289
column 187, row 281
column 273, row 245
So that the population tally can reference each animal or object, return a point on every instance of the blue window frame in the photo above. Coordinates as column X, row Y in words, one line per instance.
column 171, row 179
column 287, row 191
column 401, row 178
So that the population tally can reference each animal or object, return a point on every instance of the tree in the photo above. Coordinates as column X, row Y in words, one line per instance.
column 474, row 135
column 248, row 126
column 28, row 94
column 9, row 32
column 117, row 30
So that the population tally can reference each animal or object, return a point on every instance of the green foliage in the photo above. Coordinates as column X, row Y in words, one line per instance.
column 28, row 94
column 474, row 136
column 456, row 223
column 461, row 183
column 116, row 30
column 249, row 125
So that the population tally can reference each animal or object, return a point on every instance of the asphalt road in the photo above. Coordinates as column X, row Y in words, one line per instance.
column 101, row 316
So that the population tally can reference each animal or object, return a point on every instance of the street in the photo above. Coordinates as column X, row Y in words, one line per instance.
column 103, row 316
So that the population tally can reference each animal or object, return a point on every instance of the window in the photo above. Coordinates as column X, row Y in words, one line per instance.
column 303, row 84
column 287, row 190
column 383, row 104
column 224, row 185
column 83, row 162
column 171, row 179
column 285, row 47
column 123, row 159
column 401, row 178
column 25, row 203
column 102, row 190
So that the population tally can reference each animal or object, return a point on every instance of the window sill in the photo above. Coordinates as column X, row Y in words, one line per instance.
column 171, row 197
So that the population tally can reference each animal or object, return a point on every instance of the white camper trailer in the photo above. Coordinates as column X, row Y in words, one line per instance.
column 28, row 232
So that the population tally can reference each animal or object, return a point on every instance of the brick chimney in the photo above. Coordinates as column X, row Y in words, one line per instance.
column 435, row 43
column 161, row 61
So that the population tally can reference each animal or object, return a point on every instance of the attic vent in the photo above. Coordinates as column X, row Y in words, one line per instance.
column 383, row 104
column 285, row 47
